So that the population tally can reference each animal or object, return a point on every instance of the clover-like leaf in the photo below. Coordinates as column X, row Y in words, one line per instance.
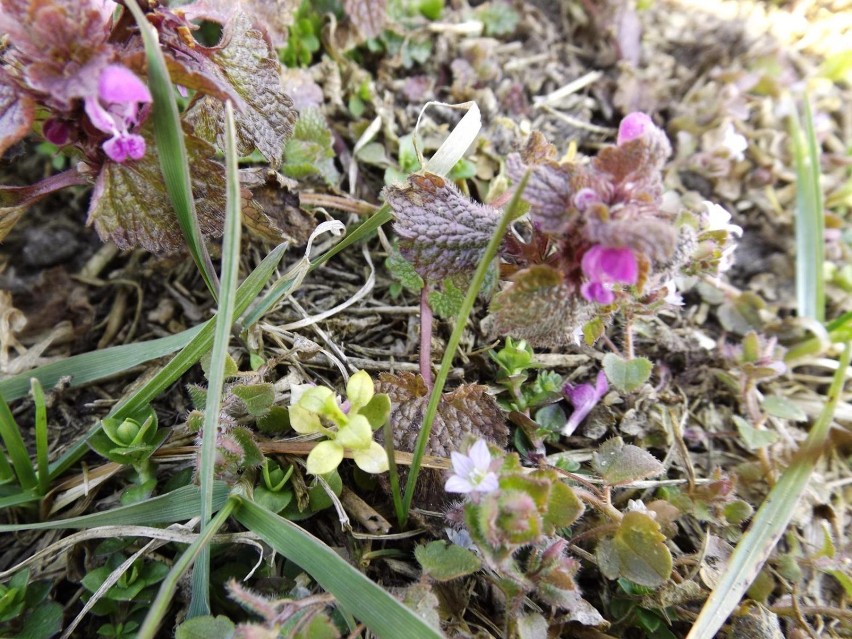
column 626, row 374
column 356, row 435
column 445, row 562
column 754, row 438
column 377, row 410
column 620, row 463
column 539, row 307
column 17, row 111
column 251, row 66
column 131, row 207
column 324, row 457
column 637, row 552
column 304, row 421
column 443, row 232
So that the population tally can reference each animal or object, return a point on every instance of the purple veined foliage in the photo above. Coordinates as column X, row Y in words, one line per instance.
column 583, row 397
column 115, row 110
column 633, row 126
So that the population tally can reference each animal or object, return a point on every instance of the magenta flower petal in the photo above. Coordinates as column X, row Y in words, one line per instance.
column 56, row 131
column 119, row 84
column 597, row 292
column 606, row 264
column 125, row 146
column 99, row 116
column 584, row 198
column 633, row 126
column 583, row 397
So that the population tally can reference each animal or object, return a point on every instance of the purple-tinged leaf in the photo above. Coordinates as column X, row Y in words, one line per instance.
column 443, row 232
column 131, row 207
column 540, row 307
column 276, row 16
column 17, row 111
column 273, row 212
column 549, row 190
column 368, row 15
column 60, row 45
column 14, row 200
column 251, row 66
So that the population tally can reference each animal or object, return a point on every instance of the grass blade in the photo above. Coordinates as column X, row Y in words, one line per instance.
column 92, row 367
column 178, row 505
column 180, row 363
column 771, row 519
column 372, row 604
column 14, row 443
column 810, row 219
column 41, row 437
column 449, row 352
column 171, row 148
column 199, row 604
column 160, row 605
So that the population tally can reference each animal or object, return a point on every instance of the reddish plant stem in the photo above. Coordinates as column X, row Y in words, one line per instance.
column 426, row 337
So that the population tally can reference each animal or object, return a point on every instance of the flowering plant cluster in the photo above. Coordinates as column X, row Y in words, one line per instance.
column 73, row 73
column 348, row 427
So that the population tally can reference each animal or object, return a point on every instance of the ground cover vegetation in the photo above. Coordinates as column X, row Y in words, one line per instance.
column 423, row 318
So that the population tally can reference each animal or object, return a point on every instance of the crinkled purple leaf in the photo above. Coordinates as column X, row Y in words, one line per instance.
column 17, row 111
column 14, row 200
column 549, row 192
column 61, row 45
column 538, row 306
column 251, row 66
column 276, row 16
column 443, row 233
column 273, row 212
column 652, row 237
column 368, row 15
column 131, row 207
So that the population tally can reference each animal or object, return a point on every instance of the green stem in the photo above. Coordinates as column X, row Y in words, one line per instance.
column 473, row 290
column 41, row 436
column 164, row 597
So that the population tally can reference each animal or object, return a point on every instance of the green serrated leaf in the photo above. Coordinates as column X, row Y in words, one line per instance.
column 445, row 562
column 619, row 463
column 258, row 398
column 447, row 302
column 642, row 553
column 626, row 375
column 752, row 437
column 309, row 151
column 403, row 271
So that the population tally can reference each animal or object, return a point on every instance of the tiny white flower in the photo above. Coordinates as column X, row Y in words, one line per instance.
column 734, row 143
column 672, row 296
column 471, row 472
column 717, row 218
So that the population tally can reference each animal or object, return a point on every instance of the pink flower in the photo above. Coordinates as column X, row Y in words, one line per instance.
column 116, row 109
column 633, row 126
column 583, row 398
column 604, row 266
column 471, row 472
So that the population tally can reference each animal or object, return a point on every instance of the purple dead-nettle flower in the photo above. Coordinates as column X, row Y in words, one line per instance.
column 472, row 473
column 584, row 198
column 604, row 266
column 634, row 125
column 583, row 397
column 116, row 109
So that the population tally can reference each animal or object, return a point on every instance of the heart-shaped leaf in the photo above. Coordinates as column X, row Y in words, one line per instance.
column 626, row 374
column 444, row 562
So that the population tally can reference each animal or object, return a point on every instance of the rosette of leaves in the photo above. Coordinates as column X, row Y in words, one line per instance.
column 55, row 56
column 317, row 411
column 612, row 200
column 129, row 441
